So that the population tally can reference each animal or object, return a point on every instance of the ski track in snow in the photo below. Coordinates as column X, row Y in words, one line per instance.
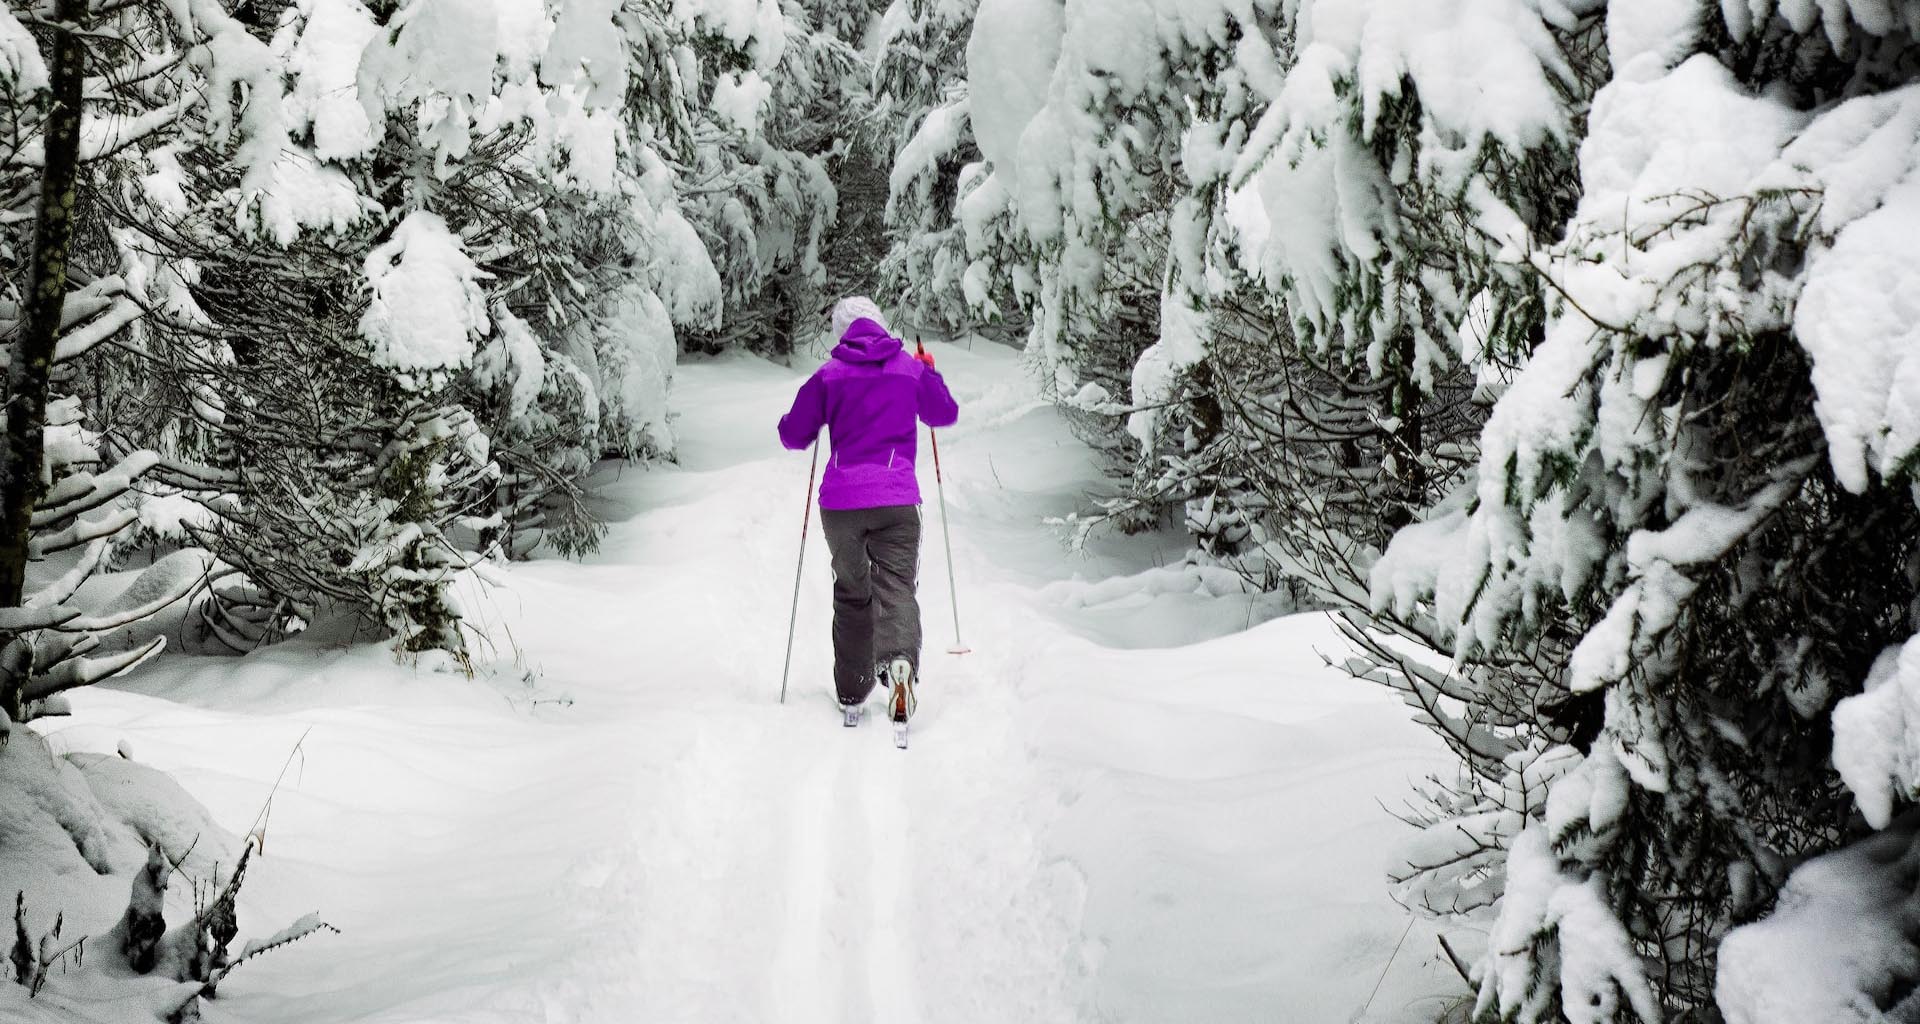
column 1094, row 823
column 890, row 930
column 845, row 951
column 806, row 992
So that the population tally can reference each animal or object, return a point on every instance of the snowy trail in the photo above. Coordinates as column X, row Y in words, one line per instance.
column 846, row 952
column 808, row 991
column 890, row 929
column 1124, row 806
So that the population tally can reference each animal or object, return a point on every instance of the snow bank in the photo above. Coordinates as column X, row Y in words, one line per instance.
column 78, row 827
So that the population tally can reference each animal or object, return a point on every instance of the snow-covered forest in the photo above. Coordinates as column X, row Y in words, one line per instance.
column 1434, row 510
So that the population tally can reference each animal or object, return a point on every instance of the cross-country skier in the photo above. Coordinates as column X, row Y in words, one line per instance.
column 868, row 396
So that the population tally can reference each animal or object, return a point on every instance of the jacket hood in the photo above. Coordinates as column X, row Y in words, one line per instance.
column 866, row 342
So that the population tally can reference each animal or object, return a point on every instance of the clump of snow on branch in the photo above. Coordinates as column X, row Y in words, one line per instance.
column 1876, row 735
column 428, row 304
column 323, row 56
column 1312, row 201
column 680, row 266
column 1010, row 60
column 1856, row 316
column 20, row 65
column 1838, row 947
column 740, row 99
column 511, row 356
column 936, row 137
column 1183, row 342
column 585, row 38
column 303, row 194
column 1599, row 972
column 757, row 26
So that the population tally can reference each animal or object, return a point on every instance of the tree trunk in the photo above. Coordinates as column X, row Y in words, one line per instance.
column 1408, row 443
column 32, row 356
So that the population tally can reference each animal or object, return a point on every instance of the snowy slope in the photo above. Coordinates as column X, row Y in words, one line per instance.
column 620, row 823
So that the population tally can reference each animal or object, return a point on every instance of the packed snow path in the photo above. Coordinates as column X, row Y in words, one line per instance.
column 1125, row 805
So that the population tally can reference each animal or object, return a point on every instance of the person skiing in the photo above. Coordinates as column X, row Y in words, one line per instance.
column 867, row 396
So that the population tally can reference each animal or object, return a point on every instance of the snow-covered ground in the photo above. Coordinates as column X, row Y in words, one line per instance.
column 1124, row 805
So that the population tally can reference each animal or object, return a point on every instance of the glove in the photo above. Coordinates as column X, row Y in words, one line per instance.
column 924, row 356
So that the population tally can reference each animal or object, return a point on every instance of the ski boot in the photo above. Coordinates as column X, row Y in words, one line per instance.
column 900, row 698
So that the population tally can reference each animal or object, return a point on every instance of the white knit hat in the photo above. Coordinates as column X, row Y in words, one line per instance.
column 856, row 307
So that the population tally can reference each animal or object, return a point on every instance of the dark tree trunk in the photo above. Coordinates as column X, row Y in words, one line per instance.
column 1408, row 443
column 32, row 356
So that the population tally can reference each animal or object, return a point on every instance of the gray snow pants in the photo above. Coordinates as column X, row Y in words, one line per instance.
column 876, row 557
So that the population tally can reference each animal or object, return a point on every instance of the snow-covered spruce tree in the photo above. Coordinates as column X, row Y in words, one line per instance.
column 1368, row 223
column 1701, row 480
column 404, row 339
column 845, row 20
column 1082, row 212
column 127, row 78
column 928, row 276
column 623, row 275
column 1373, row 243
column 780, row 95
column 859, row 160
column 316, row 328
column 1335, row 271
column 1364, row 233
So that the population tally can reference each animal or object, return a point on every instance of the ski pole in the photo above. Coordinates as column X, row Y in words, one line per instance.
column 946, row 536
column 806, row 521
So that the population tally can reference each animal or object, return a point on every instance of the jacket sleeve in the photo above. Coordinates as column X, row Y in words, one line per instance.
column 937, row 407
column 802, row 423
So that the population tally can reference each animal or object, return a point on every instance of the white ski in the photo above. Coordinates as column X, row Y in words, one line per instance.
column 852, row 713
column 900, row 735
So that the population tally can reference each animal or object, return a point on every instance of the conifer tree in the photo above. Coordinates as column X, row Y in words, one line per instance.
column 1669, row 485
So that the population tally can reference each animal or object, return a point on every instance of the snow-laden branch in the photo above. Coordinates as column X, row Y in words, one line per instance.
column 78, row 672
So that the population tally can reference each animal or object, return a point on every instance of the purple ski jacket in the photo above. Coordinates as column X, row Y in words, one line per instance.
column 868, row 396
